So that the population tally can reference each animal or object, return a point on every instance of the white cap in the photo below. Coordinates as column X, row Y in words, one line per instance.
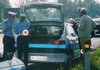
column 12, row 13
column 22, row 15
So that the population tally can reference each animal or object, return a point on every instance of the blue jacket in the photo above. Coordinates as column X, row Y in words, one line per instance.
column 8, row 28
column 20, row 27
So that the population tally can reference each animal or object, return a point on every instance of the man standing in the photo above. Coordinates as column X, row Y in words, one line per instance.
column 21, row 30
column 8, row 39
column 86, row 26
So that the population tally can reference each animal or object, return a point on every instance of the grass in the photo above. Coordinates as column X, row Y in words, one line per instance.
column 95, row 61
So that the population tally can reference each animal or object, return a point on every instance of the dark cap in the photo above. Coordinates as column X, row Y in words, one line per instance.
column 83, row 10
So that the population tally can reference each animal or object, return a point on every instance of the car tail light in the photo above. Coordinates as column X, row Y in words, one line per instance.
column 58, row 42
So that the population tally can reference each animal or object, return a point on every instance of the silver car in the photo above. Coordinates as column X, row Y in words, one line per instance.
column 13, row 64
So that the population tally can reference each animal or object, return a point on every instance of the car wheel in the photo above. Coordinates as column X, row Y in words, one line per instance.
column 67, row 65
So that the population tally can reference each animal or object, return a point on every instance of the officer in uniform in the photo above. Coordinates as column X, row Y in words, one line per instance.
column 21, row 30
column 8, row 39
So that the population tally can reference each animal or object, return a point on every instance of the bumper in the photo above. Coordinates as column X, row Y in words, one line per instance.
column 47, row 57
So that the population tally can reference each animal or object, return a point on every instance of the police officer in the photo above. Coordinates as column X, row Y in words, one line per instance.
column 21, row 30
column 8, row 39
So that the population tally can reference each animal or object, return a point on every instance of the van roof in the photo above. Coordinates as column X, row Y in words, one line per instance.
column 42, row 3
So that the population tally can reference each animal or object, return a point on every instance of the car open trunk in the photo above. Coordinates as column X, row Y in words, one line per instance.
column 46, row 27
column 45, row 34
column 44, row 45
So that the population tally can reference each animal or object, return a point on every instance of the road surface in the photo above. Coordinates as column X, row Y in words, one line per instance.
column 95, row 42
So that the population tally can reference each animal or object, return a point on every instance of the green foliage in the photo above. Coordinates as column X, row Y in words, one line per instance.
column 71, row 8
column 3, row 4
column 95, row 61
column 6, row 4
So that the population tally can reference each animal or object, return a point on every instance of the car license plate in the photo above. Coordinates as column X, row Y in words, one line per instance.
column 38, row 58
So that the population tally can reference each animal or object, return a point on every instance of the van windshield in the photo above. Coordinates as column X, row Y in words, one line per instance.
column 44, row 14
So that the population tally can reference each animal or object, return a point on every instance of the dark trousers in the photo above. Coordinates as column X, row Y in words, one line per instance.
column 9, row 49
column 22, row 47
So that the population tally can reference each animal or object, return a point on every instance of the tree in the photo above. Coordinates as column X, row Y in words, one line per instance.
column 3, row 4
column 71, row 8
column 21, row 2
column 65, row 6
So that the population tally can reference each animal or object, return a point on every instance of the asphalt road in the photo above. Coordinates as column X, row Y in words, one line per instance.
column 95, row 44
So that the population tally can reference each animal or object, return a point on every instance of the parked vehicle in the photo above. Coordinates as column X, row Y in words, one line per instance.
column 10, row 64
column 97, row 28
column 14, row 64
column 46, row 27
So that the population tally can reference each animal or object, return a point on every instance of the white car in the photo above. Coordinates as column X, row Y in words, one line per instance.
column 97, row 28
column 14, row 64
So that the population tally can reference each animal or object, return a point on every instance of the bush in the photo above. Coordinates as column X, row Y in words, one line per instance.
column 95, row 61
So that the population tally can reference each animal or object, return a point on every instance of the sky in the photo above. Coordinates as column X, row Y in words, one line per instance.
column 15, row 3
